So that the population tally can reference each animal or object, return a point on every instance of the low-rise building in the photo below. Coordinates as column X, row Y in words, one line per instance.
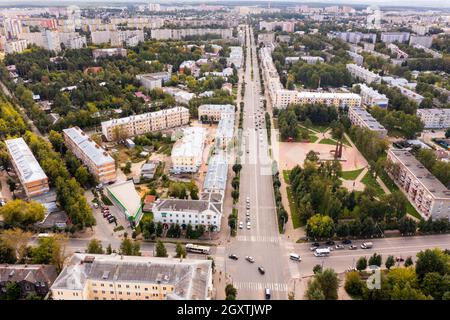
column 412, row 95
column 149, row 81
column 236, row 57
column 216, row 176
column 388, row 37
column 213, row 112
column 187, row 153
column 336, row 99
column 363, row 74
column 370, row 96
column 125, row 198
column 118, row 277
column 426, row 193
column 434, row 118
column 122, row 128
column 357, row 58
column 225, row 130
column 30, row 173
column 109, row 52
column 312, row 59
column 98, row 161
column 181, row 96
column 361, row 118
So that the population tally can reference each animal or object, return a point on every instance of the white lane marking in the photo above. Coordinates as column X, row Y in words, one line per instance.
column 259, row 286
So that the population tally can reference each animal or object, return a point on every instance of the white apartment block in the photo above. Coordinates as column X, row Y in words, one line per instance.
column 15, row 46
column 410, row 94
column 401, row 37
column 213, row 112
column 98, row 161
column 266, row 38
column 363, row 74
column 286, row 26
column 180, row 34
column 357, row 58
column 354, row 37
column 426, row 193
column 187, row 153
column 424, row 41
column 435, row 54
column 109, row 52
column 47, row 39
column 118, row 277
column 370, row 97
column 312, row 59
column 143, row 123
column 236, row 57
column 420, row 30
column 27, row 168
column 291, row 60
column 336, row 99
column 181, row 96
column 361, row 118
column 225, row 130
column 184, row 212
column 434, row 118
column 396, row 50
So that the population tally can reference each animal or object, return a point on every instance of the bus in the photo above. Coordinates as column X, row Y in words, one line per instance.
column 322, row 252
column 197, row 249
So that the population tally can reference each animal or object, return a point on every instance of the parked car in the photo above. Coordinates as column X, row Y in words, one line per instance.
column 330, row 243
column 339, row 247
column 233, row 257
column 346, row 241
column 250, row 259
column 261, row 270
column 366, row 245
column 241, row 225
column 352, row 247
column 106, row 214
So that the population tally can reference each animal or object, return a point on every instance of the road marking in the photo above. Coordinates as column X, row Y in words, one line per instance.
column 258, row 239
column 259, row 286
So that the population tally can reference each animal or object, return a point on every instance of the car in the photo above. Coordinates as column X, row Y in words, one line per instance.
column 106, row 214
column 330, row 243
column 241, row 225
column 352, row 247
column 261, row 270
column 339, row 247
column 233, row 257
column 346, row 241
column 112, row 219
column 248, row 200
column 248, row 218
column 250, row 259
column 247, row 213
column 248, row 226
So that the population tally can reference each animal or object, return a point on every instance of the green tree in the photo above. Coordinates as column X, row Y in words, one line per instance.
column 20, row 213
column 375, row 260
column 329, row 283
column 408, row 261
column 432, row 260
column 390, row 262
column 57, row 141
column 312, row 156
column 230, row 292
column 159, row 229
column 320, row 227
column 317, row 268
column 12, row 291
column 361, row 264
column 353, row 284
column 129, row 247
column 435, row 285
column 161, row 249
column 314, row 291
column 50, row 250
column 407, row 293
column 95, row 246
column 7, row 253
column 180, row 250
column 109, row 249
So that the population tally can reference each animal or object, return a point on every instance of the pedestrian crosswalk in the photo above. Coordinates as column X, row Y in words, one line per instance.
column 259, row 286
column 258, row 239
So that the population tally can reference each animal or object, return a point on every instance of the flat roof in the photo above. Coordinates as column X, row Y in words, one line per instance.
column 216, row 176
column 125, row 193
column 191, row 144
column 92, row 150
column 371, row 122
column 185, row 205
column 429, row 181
column 27, row 165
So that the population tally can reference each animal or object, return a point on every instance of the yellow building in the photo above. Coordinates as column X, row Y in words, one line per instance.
column 116, row 277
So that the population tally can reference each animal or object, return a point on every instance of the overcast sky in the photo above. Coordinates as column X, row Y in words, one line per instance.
column 424, row 3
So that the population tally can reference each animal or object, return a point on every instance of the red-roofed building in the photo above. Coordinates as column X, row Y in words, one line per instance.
column 139, row 94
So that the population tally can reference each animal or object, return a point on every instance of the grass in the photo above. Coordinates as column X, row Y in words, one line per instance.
column 327, row 141
column 312, row 138
column 369, row 180
column 317, row 127
column 295, row 215
column 351, row 175
column 286, row 174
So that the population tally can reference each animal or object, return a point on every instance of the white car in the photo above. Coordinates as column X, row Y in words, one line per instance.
column 249, row 225
column 247, row 213
column 241, row 225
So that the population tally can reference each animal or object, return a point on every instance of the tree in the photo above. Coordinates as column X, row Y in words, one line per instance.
column 50, row 250
column 408, row 261
column 432, row 260
column 390, row 262
column 435, row 285
column 375, row 260
column 180, row 250
column 230, row 292
column 447, row 133
column 159, row 229
column 329, row 283
column 237, row 168
column 83, row 176
column 7, row 254
column 12, row 291
column 161, row 249
column 312, row 156
column 317, row 268
column 57, row 141
column 320, row 227
column 361, row 264
column 314, row 292
column 109, row 249
column 16, row 239
column 407, row 226
column 353, row 284
column 95, row 246
column 407, row 293
column 129, row 247
column 20, row 213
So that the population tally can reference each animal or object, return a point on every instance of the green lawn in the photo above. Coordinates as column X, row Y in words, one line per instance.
column 295, row 216
column 312, row 138
column 351, row 175
column 369, row 180
column 328, row 141
column 286, row 174
column 317, row 127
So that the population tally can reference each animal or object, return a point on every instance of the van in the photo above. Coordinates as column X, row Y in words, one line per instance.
column 366, row 245
column 267, row 293
column 322, row 252
column 295, row 257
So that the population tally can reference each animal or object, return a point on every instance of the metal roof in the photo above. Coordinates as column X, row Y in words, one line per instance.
column 216, row 176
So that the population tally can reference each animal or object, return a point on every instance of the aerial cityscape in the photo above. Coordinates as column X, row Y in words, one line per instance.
column 224, row 150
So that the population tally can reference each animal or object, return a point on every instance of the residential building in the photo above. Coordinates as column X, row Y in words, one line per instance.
column 357, row 58
column 266, row 38
column 148, row 122
column 312, row 59
column 118, row 277
column 435, row 54
column 396, row 50
column 180, row 34
column 286, row 26
column 291, row 60
column 109, row 52
column 236, row 57
column 434, row 118
column 426, row 193
column 424, row 41
column 225, row 130
column 370, row 96
column 361, row 118
column 187, row 153
column 98, row 161
column 216, row 176
column 213, row 112
column 148, row 81
column 388, row 37
column 30, row 173
column 363, row 74
column 181, row 96
column 125, row 198
column 354, row 37
column 420, row 29
column 410, row 94
column 15, row 46
column 32, row 279
column 336, row 99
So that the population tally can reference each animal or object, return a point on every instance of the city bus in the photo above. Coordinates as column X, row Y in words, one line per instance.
column 322, row 252
column 197, row 249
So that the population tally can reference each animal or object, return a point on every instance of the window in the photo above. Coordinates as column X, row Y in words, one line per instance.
column 119, row 286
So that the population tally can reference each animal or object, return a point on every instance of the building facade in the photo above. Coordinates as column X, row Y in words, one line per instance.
column 187, row 153
column 361, row 118
column 336, row 99
column 363, row 74
column 371, row 97
column 434, row 118
column 213, row 112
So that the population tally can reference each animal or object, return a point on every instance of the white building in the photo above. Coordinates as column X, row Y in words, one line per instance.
column 236, row 57
column 216, row 176
column 420, row 30
column 180, row 34
column 15, row 46
column 187, row 153
column 149, row 81
column 363, row 74
column 401, row 37
column 424, row 41
column 410, row 94
column 434, row 118
column 213, row 112
column 336, row 99
column 225, row 130
column 109, row 52
column 357, row 58
column 312, row 59
column 370, row 97
column 181, row 96
column 361, row 118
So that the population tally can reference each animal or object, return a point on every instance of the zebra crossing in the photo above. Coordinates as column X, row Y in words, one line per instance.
column 259, row 286
column 258, row 239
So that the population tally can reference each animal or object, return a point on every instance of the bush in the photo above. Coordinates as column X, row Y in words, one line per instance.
column 353, row 284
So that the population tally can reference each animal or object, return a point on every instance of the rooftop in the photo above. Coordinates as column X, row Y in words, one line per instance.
column 216, row 176
column 125, row 193
column 33, row 273
column 191, row 144
column 143, row 116
column 194, row 206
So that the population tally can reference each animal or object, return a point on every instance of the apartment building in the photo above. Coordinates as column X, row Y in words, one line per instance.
column 213, row 112
column 354, row 37
column 371, row 97
column 148, row 122
column 118, row 277
column 361, row 118
column 435, row 54
column 184, row 212
column 236, row 57
column 286, row 26
column 109, row 52
column 426, row 193
column 420, row 29
column 424, row 41
column 312, row 59
column 396, row 50
column 148, row 81
column 388, row 37
column 357, row 58
column 187, row 153
column 336, row 99
column 98, row 161
column 216, row 176
column 28, row 170
column 363, row 73
column 225, row 130
column 180, row 34
column 181, row 96
column 410, row 94
column 47, row 39
column 15, row 46
column 266, row 38
column 434, row 118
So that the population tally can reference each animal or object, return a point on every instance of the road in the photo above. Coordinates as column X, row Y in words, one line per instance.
column 262, row 241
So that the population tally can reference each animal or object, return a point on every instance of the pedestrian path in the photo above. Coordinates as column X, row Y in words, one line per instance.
column 258, row 239
column 294, row 266
column 260, row 286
